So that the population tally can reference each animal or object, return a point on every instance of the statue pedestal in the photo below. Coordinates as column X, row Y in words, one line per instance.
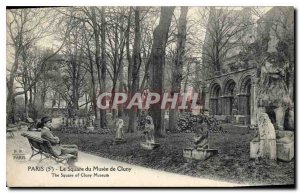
column 284, row 146
column 256, row 145
column 90, row 128
column 198, row 154
column 149, row 146
column 264, row 143
column 118, row 141
column 241, row 119
column 254, row 149
column 285, row 152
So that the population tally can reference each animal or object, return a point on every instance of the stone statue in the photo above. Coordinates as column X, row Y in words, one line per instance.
column 273, row 91
column 265, row 139
column 201, row 149
column 90, row 124
column 201, row 135
column 149, row 130
column 119, row 128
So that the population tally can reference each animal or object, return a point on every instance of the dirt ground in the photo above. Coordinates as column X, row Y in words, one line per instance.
column 232, row 164
column 137, row 174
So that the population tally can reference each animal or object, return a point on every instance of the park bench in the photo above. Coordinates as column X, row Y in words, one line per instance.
column 31, row 123
column 42, row 147
column 10, row 131
column 11, row 128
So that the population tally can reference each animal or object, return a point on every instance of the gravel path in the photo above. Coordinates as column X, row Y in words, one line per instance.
column 24, row 174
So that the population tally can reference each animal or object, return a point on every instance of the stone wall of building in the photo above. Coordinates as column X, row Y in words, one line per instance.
column 233, row 96
column 232, row 93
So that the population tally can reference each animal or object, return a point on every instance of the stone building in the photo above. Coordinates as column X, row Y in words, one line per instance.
column 230, row 94
column 227, row 31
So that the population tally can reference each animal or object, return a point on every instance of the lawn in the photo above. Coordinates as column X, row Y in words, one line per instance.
column 232, row 164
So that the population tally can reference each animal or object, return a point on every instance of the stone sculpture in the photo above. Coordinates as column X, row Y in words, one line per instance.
column 201, row 137
column 201, row 150
column 119, row 126
column 273, row 91
column 148, row 132
column 264, row 144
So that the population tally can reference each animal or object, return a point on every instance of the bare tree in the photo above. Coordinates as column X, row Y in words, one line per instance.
column 24, row 28
column 99, row 33
column 116, row 46
column 224, row 28
column 178, row 65
column 74, row 74
column 103, row 65
column 160, row 37
column 135, row 67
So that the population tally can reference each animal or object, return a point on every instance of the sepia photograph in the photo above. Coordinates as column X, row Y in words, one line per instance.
column 150, row 96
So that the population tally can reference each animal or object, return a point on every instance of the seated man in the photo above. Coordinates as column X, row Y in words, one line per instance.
column 54, row 140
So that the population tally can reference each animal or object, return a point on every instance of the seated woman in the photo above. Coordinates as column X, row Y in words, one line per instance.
column 54, row 140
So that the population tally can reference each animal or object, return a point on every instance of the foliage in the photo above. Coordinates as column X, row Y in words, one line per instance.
column 187, row 122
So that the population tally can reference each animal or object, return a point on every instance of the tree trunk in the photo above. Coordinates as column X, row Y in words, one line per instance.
column 136, row 63
column 34, row 91
column 129, row 71
column 26, row 104
column 75, row 87
column 103, row 66
column 43, row 95
column 116, row 65
column 178, row 67
column 53, row 103
column 93, row 85
column 10, row 106
column 30, row 90
column 160, row 36
column 113, row 93
column 121, row 80
column 129, row 60
column 86, row 104
column 58, row 104
column 186, row 79
column 10, row 100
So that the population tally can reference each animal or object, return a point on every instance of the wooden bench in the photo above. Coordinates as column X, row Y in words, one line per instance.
column 31, row 123
column 10, row 131
column 40, row 146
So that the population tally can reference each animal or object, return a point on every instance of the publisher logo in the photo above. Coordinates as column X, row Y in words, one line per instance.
column 19, row 155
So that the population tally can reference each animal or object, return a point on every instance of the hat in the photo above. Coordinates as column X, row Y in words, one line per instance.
column 46, row 119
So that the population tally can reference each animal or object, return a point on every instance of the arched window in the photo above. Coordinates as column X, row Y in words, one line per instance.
column 215, row 99
column 230, row 99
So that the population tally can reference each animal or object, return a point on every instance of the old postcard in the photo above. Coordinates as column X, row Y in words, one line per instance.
column 150, row 96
